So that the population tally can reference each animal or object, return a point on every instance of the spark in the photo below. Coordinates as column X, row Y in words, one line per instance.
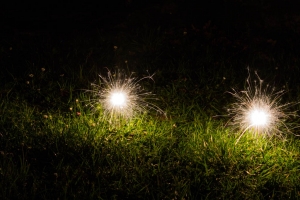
column 258, row 109
column 118, row 99
column 121, row 96
column 259, row 117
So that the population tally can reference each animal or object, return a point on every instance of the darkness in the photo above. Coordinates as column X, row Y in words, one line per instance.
column 221, row 21
column 33, row 16
column 227, row 13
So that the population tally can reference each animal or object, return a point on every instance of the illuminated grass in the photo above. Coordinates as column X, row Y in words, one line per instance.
column 79, row 156
column 54, row 147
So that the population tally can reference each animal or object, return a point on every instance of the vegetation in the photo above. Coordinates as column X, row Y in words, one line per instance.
column 53, row 146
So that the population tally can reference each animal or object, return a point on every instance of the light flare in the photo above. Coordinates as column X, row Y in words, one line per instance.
column 258, row 118
column 118, row 99
column 258, row 109
column 121, row 96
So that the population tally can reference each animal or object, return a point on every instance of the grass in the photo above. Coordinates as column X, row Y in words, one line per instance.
column 53, row 146
column 70, row 156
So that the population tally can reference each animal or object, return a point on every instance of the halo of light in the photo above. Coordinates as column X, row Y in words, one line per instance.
column 259, row 109
column 122, row 96
column 118, row 99
column 258, row 117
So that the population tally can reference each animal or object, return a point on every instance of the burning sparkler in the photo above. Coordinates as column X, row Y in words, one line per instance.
column 259, row 109
column 122, row 96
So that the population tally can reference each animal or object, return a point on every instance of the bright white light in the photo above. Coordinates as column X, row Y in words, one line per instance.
column 258, row 118
column 121, row 96
column 118, row 99
column 259, row 109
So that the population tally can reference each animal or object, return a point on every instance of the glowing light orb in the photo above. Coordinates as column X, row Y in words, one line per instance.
column 258, row 118
column 118, row 99
column 120, row 96
column 259, row 109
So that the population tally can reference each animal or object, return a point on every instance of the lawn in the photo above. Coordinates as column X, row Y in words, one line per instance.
column 54, row 145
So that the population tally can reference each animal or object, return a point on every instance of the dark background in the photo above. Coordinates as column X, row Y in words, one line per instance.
column 227, row 13
column 241, row 31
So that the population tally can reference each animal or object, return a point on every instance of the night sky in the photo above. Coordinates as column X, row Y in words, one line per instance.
column 237, row 26
column 228, row 13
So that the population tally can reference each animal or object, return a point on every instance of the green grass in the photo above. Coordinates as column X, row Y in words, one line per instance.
column 189, row 156
column 53, row 146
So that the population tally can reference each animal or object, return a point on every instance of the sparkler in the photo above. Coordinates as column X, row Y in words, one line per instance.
column 122, row 96
column 259, row 110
